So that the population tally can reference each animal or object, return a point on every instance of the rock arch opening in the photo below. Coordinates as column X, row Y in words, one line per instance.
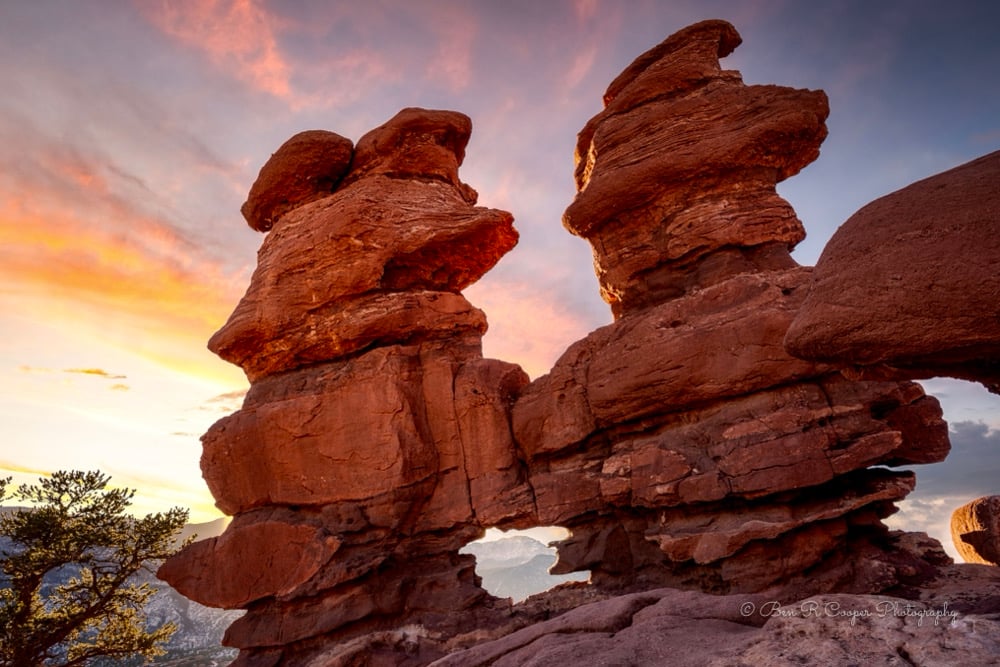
column 971, row 469
column 515, row 564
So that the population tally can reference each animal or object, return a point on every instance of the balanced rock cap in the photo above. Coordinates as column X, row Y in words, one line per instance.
column 305, row 168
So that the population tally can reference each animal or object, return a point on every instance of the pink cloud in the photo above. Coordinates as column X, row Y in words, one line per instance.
column 585, row 9
column 452, row 62
column 582, row 63
column 74, row 250
column 526, row 325
column 238, row 36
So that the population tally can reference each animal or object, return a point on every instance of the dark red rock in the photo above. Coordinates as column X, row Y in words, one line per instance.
column 360, row 268
column 375, row 440
column 416, row 144
column 305, row 168
column 249, row 562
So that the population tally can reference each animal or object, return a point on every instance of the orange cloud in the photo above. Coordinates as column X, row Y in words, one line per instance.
column 146, row 289
column 20, row 471
column 239, row 36
column 34, row 369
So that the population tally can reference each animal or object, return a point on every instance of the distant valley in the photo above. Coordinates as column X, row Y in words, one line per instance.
column 198, row 640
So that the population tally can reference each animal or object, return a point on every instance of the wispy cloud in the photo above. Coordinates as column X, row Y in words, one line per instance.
column 238, row 36
column 137, row 282
column 151, row 272
column 582, row 63
column 18, row 470
column 35, row 369
column 585, row 9
column 100, row 372
column 231, row 401
column 455, row 31
column 989, row 138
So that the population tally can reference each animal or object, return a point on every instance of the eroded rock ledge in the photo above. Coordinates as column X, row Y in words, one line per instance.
column 909, row 286
column 682, row 445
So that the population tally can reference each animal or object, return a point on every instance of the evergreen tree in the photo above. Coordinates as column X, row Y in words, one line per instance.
column 76, row 531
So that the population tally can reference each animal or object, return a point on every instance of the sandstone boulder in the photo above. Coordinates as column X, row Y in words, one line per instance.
column 908, row 285
column 305, row 168
column 416, row 144
column 379, row 261
column 276, row 557
column 975, row 530
column 375, row 440
column 681, row 445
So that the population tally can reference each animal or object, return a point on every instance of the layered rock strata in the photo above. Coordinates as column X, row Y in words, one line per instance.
column 909, row 286
column 374, row 441
column 682, row 444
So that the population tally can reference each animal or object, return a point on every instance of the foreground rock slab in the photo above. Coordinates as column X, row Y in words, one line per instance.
column 691, row 629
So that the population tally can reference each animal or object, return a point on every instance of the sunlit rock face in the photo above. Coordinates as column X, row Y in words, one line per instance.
column 909, row 286
column 681, row 445
column 975, row 530
column 374, row 442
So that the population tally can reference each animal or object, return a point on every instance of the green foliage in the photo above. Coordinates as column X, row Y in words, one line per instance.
column 78, row 532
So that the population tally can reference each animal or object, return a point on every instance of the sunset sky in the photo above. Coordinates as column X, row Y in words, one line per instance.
column 131, row 132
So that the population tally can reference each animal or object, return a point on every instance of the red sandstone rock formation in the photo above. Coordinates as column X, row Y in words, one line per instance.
column 374, row 442
column 975, row 530
column 676, row 175
column 909, row 286
column 681, row 444
column 307, row 167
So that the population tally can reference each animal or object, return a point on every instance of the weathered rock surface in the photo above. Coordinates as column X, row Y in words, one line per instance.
column 375, row 440
column 676, row 175
column 379, row 261
column 682, row 445
column 975, row 530
column 692, row 629
column 909, row 286
column 305, row 168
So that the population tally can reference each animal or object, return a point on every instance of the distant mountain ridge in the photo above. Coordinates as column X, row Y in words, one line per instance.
column 517, row 567
column 198, row 640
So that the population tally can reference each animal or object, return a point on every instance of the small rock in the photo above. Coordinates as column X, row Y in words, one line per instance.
column 305, row 168
column 975, row 530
